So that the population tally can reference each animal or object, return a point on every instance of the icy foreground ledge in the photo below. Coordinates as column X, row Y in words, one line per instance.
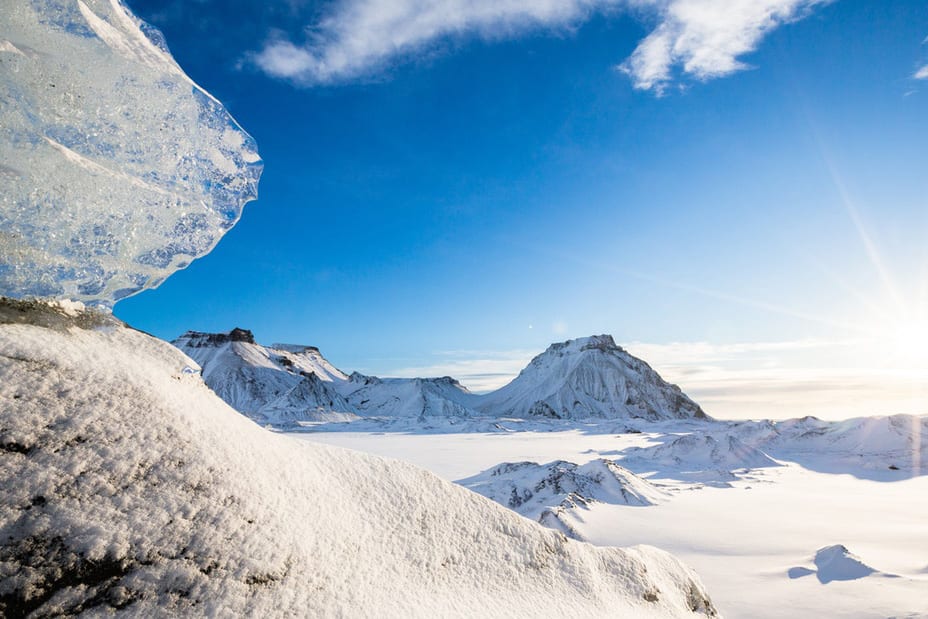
column 115, row 168
column 128, row 484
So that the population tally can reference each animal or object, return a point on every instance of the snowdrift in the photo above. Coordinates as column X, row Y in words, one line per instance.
column 129, row 485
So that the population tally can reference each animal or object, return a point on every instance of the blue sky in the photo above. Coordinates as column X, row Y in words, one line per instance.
column 736, row 190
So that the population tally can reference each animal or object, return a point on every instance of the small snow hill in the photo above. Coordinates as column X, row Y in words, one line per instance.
column 590, row 378
column 837, row 563
column 129, row 486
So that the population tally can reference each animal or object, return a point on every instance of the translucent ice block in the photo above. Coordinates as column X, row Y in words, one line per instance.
column 115, row 168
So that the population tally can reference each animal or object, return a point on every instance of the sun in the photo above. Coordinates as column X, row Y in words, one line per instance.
column 907, row 341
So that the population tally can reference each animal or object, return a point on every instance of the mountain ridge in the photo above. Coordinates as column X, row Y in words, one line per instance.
column 581, row 378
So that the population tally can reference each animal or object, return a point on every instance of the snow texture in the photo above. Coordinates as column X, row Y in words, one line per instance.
column 117, row 169
column 129, row 485
column 578, row 379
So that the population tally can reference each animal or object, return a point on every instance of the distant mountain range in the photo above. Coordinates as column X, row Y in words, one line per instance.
column 283, row 384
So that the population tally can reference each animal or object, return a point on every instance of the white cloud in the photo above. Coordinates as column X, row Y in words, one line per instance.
column 922, row 74
column 360, row 35
column 479, row 371
column 703, row 38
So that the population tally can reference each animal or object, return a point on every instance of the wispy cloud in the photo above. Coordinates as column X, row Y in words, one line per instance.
column 701, row 39
column 479, row 371
column 922, row 72
column 705, row 38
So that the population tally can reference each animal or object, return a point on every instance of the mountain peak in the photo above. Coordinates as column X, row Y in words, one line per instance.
column 603, row 342
column 590, row 377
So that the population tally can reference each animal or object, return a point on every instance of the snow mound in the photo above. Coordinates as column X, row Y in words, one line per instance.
column 837, row 563
column 530, row 488
column 590, row 378
column 701, row 451
column 117, row 170
column 129, row 485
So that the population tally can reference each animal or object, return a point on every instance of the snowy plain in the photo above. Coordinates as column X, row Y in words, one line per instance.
column 753, row 539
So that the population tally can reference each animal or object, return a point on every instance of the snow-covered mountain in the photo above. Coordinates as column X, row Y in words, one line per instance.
column 590, row 377
column 278, row 384
column 285, row 383
column 129, row 487
column 578, row 379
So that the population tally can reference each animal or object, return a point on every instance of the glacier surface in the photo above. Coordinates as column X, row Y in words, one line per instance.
column 116, row 169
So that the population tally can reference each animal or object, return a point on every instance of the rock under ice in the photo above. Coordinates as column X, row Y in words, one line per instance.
column 116, row 169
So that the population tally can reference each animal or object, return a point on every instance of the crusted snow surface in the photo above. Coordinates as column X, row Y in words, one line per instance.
column 129, row 485
column 590, row 377
column 530, row 488
column 115, row 168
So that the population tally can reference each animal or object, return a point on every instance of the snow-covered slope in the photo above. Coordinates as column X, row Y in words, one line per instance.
column 127, row 484
column 590, row 377
column 408, row 397
column 702, row 451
